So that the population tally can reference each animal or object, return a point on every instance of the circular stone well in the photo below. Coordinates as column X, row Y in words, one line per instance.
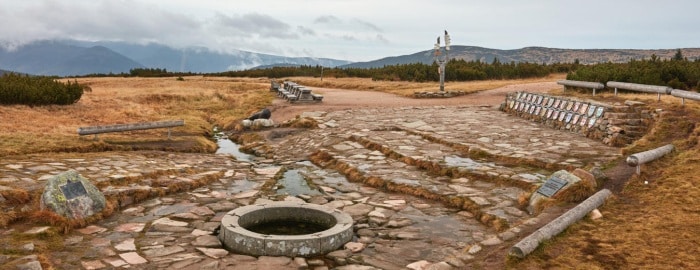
column 335, row 229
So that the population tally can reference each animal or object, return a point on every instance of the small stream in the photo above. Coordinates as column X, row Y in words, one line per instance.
column 226, row 146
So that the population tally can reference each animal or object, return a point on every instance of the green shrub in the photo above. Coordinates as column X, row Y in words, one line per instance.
column 35, row 91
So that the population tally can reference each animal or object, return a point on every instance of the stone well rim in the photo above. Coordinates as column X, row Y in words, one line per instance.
column 237, row 238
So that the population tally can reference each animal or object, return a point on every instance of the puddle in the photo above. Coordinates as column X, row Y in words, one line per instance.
column 293, row 183
column 227, row 146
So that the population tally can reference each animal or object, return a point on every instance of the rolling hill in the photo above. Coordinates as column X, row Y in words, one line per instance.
column 532, row 55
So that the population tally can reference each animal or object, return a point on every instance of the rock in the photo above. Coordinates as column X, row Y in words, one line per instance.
column 585, row 176
column 215, row 253
column 262, row 114
column 72, row 196
column 354, row 247
column 474, row 249
column 210, row 241
column 132, row 258
column 126, row 245
column 160, row 252
column 37, row 230
column 492, row 241
column 263, row 123
column 96, row 264
column 301, row 263
column 419, row 265
column 33, row 265
column 439, row 266
column 358, row 210
column 595, row 214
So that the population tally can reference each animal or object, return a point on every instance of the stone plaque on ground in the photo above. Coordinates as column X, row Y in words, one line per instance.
column 72, row 196
column 551, row 187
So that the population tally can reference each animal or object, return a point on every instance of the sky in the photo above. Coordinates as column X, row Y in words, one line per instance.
column 356, row 30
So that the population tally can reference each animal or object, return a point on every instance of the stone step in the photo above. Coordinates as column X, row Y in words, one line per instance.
column 490, row 204
column 440, row 159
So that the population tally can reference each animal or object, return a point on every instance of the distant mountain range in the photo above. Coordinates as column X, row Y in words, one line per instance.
column 70, row 57
column 532, row 55
column 66, row 58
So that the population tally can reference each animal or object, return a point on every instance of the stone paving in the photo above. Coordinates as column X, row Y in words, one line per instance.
column 427, row 187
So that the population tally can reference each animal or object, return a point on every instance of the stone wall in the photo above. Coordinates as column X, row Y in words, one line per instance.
column 614, row 124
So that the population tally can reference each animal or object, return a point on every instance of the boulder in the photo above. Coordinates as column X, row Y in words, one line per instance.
column 263, row 114
column 536, row 198
column 72, row 196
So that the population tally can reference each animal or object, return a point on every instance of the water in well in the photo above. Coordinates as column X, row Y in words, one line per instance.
column 287, row 227
column 226, row 146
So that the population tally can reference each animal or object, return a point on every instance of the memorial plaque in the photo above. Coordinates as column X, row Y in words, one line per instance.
column 539, row 99
column 551, row 102
column 520, row 106
column 551, row 186
column 545, row 102
column 599, row 112
column 518, row 95
column 583, row 109
column 538, row 110
column 555, row 114
column 562, row 106
column 591, row 122
column 570, row 105
column 577, row 105
column 575, row 120
column 591, row 110
column 532, row 109
column 544, row 112
column 568, row 117
column 549, row 113
column 584, row 120
column 527, row 108
column 556, row 103
column 73, row 190
column 562, row 115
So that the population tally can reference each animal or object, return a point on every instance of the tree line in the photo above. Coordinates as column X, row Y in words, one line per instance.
column 38, row 90
column 456, row 70
column 677, row 72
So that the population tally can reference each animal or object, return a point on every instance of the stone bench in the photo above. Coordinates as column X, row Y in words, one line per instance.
column 130, row 127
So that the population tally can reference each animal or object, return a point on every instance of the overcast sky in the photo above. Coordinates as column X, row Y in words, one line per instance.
column 357, row 30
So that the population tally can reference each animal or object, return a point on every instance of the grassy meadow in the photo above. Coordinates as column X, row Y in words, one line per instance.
column 203, row 102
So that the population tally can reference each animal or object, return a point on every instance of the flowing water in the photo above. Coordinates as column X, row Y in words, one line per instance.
column 226, row 146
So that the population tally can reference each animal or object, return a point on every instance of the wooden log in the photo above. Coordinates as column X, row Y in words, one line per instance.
column 650, row 155
column 129, row 127
column 556, row 226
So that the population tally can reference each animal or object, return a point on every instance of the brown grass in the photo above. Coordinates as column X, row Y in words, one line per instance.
column 648, row 226
column 202, row 102
column 408, row 88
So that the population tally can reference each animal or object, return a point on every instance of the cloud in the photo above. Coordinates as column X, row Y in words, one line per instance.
column 252, row 24
column 368, row 25
column 327, row 20
column 306, row 31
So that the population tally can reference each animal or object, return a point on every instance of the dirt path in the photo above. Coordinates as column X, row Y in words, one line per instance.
column 340, row 99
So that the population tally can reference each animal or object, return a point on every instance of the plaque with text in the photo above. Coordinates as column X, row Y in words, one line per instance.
column 551, row 186
column 73, row 190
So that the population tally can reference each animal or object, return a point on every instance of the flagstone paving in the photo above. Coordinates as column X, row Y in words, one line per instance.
column 397, row 171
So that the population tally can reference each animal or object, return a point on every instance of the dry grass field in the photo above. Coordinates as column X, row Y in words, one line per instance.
column 408, row 88
column 203, row 102
column 646, row 226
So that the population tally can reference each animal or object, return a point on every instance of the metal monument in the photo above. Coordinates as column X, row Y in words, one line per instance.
column 442, row 61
